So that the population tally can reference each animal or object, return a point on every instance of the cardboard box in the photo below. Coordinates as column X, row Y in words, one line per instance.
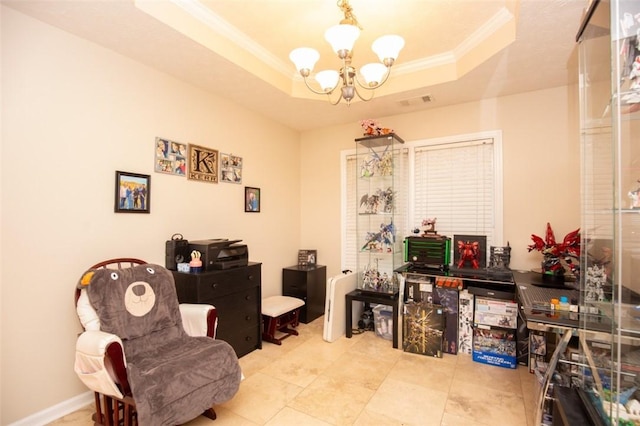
column 448, row 299
column 465, row 322
column 494, row 347
column 423, row 328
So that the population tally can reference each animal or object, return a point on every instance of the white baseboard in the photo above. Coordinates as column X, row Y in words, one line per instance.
column 50, row 414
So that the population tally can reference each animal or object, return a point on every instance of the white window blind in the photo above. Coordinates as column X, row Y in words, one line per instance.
column 349, row 213
column 458, row 181
column 454, row 182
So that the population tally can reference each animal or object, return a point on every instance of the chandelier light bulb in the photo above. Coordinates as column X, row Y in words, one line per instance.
column 388, row 47
column 305, row 59
column 373, row 73
column 327, row 79
column 342, row 37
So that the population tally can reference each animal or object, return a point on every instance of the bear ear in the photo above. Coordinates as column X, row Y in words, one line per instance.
column 86, row 279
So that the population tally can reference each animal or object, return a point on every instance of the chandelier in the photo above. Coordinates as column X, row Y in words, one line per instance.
column 342, row 38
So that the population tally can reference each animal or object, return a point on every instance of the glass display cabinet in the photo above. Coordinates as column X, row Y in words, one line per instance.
column 381, row 196
column 607, row 365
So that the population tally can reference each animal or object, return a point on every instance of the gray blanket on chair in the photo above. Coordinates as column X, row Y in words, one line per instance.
column 174, row 377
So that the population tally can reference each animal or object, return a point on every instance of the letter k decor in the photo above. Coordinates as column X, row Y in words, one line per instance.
column 203, row 164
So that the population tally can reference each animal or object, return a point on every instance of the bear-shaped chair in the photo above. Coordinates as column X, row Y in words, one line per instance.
column 149, row 359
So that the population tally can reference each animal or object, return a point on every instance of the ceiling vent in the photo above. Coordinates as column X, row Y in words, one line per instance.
column 424, row 99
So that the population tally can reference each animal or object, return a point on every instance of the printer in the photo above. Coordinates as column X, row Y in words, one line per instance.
column 221, row 253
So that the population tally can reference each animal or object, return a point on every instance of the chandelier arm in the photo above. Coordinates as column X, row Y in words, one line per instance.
column 384, row 80
column 339, row 98
column 360, row 96
column 318, row 92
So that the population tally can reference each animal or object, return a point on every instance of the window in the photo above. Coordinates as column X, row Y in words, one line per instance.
column 457, row 180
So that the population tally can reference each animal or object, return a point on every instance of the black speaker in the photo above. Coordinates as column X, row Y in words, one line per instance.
column 177, row 251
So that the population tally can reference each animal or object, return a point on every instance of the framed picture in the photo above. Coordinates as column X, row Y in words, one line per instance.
column 470, row 251
column 307, row 258
column 170, row 157
column 230, row 168
column 251, row 199
column 203, row 164
column 133, row 193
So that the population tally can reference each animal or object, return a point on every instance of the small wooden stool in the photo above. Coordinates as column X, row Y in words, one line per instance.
column 278, row 313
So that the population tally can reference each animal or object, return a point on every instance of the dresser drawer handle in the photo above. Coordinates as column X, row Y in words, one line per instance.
column 248, row 338
column 247, row 297
column 248, row 317
column 250, row 277
column 214, row 285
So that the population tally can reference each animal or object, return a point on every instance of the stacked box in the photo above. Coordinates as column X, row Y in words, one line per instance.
column 495, row 347
column 448, row 299
column 419, row 287
column 496, row 313
column 522, row 337
column 465, row 322
column 494, row 335
column 423, row 328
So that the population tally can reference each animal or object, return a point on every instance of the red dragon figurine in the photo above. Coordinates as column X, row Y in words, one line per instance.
column 555, row 253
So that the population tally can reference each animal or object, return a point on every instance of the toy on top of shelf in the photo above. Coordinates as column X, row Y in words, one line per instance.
column 557, row 256
column 430, row 225
column 371, row 127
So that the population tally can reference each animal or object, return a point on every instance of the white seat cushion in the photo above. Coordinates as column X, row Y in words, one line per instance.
column 275, row 306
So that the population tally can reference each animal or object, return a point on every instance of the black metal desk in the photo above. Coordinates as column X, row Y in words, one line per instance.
column 370, row 297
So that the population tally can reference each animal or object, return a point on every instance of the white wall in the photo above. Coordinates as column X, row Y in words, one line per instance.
column 73, row 114
column 1, row 220
column 541, row 160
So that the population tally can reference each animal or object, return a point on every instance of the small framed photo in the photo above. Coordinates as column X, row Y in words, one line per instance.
column 251, row 199
column 133, row 193
column 230, row 168
column 307, row 258
column 171, row 157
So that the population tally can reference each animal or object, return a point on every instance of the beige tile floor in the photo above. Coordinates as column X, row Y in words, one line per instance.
column 364, row 381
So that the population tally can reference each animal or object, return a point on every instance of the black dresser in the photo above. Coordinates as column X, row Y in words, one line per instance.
column 236, row 294
column 308, row 284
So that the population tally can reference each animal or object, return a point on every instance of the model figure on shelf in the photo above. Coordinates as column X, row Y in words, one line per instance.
column 382, row 240
column 373, row 280
column 634, row 195
column 557, row 256
column 371, row 127
column 369, row 204
column 595, row 282
column 376, row 164
column 430, row 226
column 634, row 75
column 500, row 257
column 386, row 164
column 469, row 253
column 387, row 199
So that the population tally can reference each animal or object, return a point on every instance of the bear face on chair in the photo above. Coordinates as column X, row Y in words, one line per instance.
column 135, row 303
